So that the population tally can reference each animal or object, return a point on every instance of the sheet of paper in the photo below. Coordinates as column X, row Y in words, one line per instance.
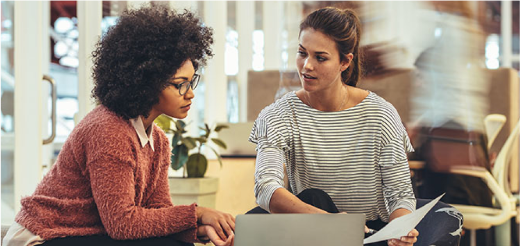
column 403, row 225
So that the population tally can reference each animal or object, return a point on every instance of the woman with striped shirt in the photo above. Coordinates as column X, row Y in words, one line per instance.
column 343, row 148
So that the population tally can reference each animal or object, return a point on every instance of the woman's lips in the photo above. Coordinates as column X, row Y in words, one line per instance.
column 308, row 78
column 187, row 107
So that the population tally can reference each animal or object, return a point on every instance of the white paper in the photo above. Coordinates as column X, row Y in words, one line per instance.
column 403, row 225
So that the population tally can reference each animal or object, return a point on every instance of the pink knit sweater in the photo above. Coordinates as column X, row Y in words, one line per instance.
column 105, row 182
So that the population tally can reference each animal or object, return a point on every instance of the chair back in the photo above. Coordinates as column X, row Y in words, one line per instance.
column 493, row 123
column 501, row 167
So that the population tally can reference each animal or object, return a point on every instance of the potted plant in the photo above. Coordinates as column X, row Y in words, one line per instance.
column 187, row 152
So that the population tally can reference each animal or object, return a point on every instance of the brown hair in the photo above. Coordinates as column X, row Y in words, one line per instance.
column 344, row 27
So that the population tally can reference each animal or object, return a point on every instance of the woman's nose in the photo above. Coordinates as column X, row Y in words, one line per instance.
column 308, row 64
column 189, row 94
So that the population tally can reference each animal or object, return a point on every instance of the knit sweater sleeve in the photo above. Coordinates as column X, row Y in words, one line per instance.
column 111, row 165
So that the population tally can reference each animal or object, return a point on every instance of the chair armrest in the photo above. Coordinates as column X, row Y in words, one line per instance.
column 474, row 171
column 485, row 175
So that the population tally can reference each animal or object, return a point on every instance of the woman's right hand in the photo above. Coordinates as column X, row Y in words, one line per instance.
column 222, row 223
column 208, row 232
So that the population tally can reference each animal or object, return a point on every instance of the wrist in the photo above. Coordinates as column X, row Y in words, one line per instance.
column 202, row 234
column 198, row 212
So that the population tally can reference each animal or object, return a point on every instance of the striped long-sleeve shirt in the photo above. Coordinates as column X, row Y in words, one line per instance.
column 357, row 155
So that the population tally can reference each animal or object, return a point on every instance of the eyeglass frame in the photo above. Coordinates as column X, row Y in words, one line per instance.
column 193, row 84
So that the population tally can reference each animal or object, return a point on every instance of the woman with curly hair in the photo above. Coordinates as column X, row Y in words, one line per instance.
column 109, row 185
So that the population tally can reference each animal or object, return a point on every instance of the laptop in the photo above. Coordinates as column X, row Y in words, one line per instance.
column 236, row 138
column 299, row 229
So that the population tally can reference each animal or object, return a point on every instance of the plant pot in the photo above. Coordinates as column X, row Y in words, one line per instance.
column 185, row 191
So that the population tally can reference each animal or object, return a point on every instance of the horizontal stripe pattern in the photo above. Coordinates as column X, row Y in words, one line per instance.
column 357, row 155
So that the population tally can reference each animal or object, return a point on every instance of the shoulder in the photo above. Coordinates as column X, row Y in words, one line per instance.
column 102, row 116
column 278, row 109
column 377, row 108
column 273, row 120
column 386, row 111
column 391, row 123
column 102, row 125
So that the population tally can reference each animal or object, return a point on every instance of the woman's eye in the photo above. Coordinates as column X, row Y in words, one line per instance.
column 321, row 59
column 302, row 53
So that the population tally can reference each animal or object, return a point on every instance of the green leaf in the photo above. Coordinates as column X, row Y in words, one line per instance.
column 201, row 140
column 179, row 124
column 176, row 138
column 196, row 165
column 208, row 130
column 179, row 156
column 220, row 127
column 219, row 142
column 189, row 142
column 218, row 156
column 163, row 122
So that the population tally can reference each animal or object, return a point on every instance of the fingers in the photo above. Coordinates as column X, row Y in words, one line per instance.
column 397, row 242
column 219, row 230
column 229, row 241
column 223, row 223
column 229, row 224
column 215, row 239
column 224, row 226
column 408, row 240
column 366, row 229
column 227, row 227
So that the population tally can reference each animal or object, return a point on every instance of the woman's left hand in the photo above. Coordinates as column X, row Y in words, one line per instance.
column 408, row 240
column 208, row 232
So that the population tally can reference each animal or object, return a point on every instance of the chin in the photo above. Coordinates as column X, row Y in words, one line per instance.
column 178, row 115
column 308, row 87
column 182, row 115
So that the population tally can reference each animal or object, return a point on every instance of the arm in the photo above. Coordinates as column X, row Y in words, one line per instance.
column 283, row 201
column 161, row 194
column 269, row 190
column 111, row 166
column 395, row 176
column 397, row 186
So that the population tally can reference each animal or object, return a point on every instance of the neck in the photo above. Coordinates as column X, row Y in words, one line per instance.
column 147, row 122
column 328, row 103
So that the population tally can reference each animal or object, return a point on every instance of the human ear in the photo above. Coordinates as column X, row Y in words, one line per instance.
column 345, row 62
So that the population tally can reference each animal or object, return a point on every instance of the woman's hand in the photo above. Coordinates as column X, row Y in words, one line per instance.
column 408, row 240
column 222, row 223
column 207, row 232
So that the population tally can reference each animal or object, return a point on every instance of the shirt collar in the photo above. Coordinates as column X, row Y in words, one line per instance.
column 144, row 136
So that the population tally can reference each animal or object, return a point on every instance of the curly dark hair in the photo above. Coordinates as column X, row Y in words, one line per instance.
column 135, row 58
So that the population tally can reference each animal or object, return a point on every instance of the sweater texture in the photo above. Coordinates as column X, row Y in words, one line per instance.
column 105, row 182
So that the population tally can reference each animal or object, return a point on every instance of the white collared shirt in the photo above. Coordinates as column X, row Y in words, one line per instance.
column 145, row 136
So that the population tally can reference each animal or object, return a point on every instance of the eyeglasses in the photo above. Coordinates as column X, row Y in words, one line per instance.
column 185, row 86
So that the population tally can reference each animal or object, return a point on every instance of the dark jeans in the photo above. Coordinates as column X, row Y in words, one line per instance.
column 105, row 240
column 441, row 226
